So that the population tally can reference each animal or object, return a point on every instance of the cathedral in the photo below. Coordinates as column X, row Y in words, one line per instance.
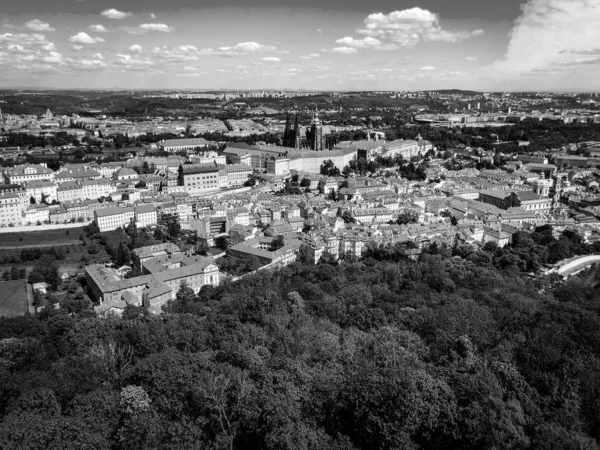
column 314, row 137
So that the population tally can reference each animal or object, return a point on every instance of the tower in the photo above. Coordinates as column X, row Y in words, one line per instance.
column 287, row 133
column 296, row 133
column 316, row 133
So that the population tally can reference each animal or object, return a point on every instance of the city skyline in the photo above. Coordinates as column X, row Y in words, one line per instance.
column 539, row 45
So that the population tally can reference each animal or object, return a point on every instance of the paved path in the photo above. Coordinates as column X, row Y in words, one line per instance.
column 573, row 266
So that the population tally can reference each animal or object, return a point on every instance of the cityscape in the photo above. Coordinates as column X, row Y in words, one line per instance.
column 381, row 232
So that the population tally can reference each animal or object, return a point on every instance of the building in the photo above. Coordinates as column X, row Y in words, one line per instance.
column 145, row 216
column 11, row 209
column 200, row 178
column 278, row 165
column 175, row 145
column 161, row 278
column 140, row 255
column 108, row 219
column 26, row 173
column 41, row 191
column 237, row 174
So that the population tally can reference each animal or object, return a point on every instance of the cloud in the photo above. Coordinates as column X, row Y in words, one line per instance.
column 550, row 32
column 411, row 26
column 136, row 48
column 346, row 50
column 319, row 31
column 89, row 64
column 311, row 56
column 427, row 68
column 368, row 42
column 98, row 28
column 21, row 38
column 115, row 14
column 84, row 38
column 98, row 56
column 77, row 47
column 38, row 25
column 132, row 63
column 181, row 53
column 152, row 16
column 471, row 58
column 161, row 27
column 271, row 59
column 243, row 48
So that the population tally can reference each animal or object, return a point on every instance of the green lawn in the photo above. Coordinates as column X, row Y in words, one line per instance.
column 45, row 237
column 13, row 298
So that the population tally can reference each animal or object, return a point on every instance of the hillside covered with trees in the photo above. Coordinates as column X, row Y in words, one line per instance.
column 457, row 350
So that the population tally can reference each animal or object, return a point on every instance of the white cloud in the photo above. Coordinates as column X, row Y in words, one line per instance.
column 471, row 58
column 550, row 32
column 410, row 26
column 346, row 50
column 99, row 28
column 77, row 47
column 84, row 38
column 181, row 53
column 20, row 38
column 368, row 42
column 115, row 14
column 243, row 48
column 271, row 59
column 132, row 63
column 89, row 64
column 311, row 56
column 98, row 56
column 38, row 25
column 283, row 52
column 319, row 31
column 427, row 68
column 136, row 48
column 152, row 16
column 358, row 43
column 160, row 27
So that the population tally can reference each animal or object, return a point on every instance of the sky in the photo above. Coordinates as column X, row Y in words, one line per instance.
column 341, row 45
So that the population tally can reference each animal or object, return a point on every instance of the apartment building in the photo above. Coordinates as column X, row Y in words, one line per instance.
column 108, row 219
column 237, row 174
column 145, row 216
column 41, row 190
column 27, row 172
column 11, row 209
column 200, row 178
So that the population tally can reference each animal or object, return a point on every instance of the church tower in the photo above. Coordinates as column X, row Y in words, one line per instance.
column 296, row 133
column 287, row 133
column 316, row 133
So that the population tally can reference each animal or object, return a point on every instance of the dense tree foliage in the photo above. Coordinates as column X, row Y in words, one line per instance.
column 456, row 350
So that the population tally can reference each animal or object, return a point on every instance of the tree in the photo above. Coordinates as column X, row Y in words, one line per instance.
column 123, row 255
column 222, row 242
column 277, row 243
column 173, row 228
column 305, row 182
column 45, row 269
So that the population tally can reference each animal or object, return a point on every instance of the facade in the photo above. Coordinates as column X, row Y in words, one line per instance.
column 237, row 174
column 108, row 219
column 161, row 279
column 311, row 161
column 200, row 178
column 145, row 216
column 278, row 166
column 175, row 145
column 26, row 173
column 11, row 209
column 41, row 190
